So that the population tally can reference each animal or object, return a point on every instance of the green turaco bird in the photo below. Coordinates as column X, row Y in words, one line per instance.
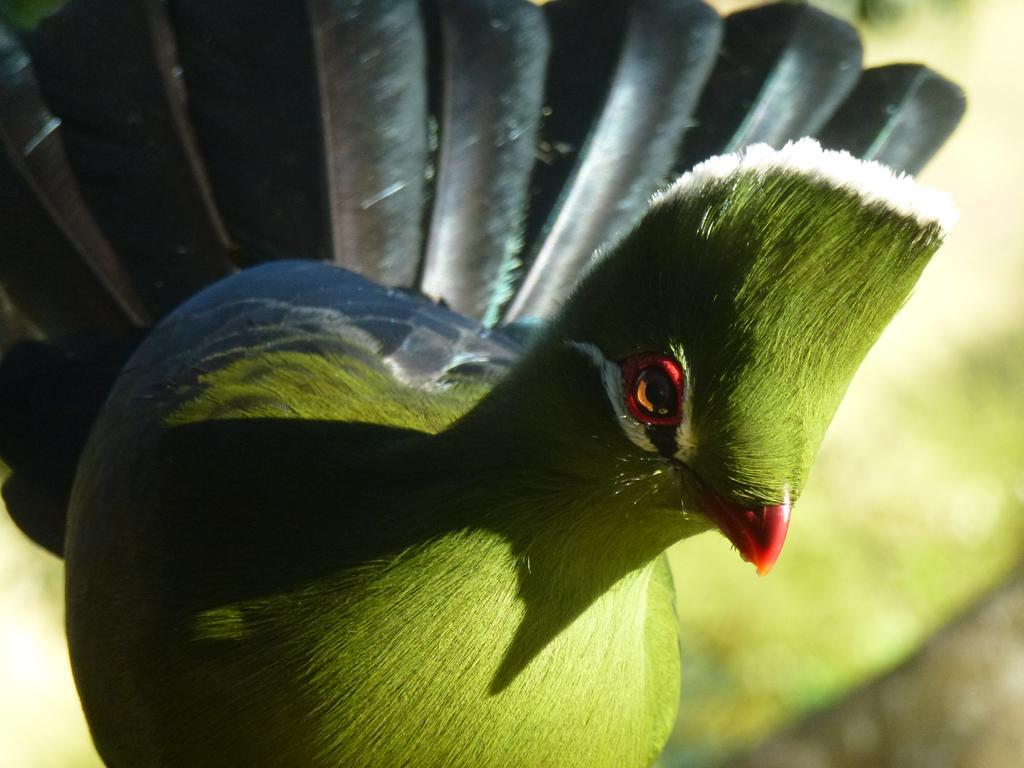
column 417, row 516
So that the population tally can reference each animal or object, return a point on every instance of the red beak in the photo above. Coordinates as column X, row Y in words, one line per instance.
column 758, row 533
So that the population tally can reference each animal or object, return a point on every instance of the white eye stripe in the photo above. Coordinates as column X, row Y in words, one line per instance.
column 611, row 377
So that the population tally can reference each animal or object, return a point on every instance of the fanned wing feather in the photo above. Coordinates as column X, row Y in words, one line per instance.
column 313, row 124
column 666, row 55
column 55, row 265
column 123, row 125
column 579, row 74
column 782, row 71
column 898, row 115
column 371, row 65
column 495, row 56
column 253, row 97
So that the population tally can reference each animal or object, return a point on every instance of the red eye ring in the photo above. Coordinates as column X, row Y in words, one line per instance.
column 653, row 385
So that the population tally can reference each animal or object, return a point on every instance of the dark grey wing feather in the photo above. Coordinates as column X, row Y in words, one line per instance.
column 371, row 67
column 898, row 115
column 586, row 40
column 666, row 55
column 55, row 265
column 122, row 117
column 314, row 125
column 253, row 96
column 782, row 71
column 494, row 58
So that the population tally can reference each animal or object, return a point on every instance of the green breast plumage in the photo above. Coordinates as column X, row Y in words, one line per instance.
column 344, row 582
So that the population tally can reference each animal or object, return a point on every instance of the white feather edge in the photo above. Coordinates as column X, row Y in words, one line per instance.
column 873, row 182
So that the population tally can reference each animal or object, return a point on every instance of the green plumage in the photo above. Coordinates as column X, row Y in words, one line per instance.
column 285, row 551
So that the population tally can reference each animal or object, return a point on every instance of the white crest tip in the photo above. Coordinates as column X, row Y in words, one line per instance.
column 873, row 182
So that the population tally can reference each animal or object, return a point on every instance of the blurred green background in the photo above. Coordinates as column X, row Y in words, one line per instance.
column 915, row 508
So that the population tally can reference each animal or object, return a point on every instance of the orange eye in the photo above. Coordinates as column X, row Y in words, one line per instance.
column 653, row 386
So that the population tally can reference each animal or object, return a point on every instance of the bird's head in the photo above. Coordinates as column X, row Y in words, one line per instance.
column 713, row 343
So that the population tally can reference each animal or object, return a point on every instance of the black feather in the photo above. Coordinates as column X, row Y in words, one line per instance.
column 371, row 62
column 49, row 398
column 253, row 96
column 782, row 71
column 666, row 56
column 123, row 124
column 55, row 265
column 898, row 115
column 586, row 39
column 495, row 57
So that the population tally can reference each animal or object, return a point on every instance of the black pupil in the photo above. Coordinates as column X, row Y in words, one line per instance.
column 654, row 387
